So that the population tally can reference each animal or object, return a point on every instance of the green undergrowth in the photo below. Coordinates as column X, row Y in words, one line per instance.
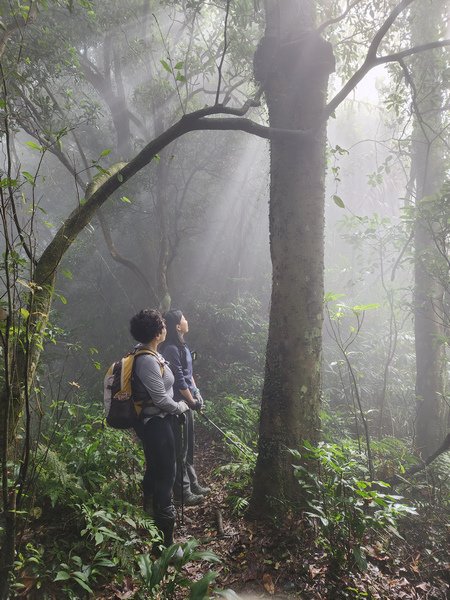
column 83, row 529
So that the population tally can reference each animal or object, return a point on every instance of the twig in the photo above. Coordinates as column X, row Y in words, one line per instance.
column 219, row 522
column 225, row 47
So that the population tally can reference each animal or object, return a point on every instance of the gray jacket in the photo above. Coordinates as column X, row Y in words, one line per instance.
column 154, row 390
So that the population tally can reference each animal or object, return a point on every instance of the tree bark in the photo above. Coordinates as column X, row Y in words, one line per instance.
column 293, row 64
column 427, row 173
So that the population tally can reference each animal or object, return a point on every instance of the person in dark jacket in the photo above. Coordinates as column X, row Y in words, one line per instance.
column 152, row 382
column 178, row 355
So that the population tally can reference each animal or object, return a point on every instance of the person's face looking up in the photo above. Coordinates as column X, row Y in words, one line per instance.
column 183, row 325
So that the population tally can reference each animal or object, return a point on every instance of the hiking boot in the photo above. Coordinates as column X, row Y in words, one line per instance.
column 196, row 488
column 190, row 499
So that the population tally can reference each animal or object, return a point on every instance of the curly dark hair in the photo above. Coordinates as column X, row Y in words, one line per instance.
column 146, row 325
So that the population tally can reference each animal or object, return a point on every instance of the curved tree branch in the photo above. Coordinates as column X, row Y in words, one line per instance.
column 372, row 60
column 195, row 121
column 340, row 17
column 121, row 259
column 444, row 447
column 198, row 121
column 398, row 56
column 378, row 37
column 115, row 255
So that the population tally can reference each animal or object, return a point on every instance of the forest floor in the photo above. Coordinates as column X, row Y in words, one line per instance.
column 282, row 561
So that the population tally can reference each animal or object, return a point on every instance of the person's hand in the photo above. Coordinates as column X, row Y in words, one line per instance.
column 198, row 404
column 182, row 406
column 199, row 397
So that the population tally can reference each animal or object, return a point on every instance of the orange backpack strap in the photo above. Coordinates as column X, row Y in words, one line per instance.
column 155, row 354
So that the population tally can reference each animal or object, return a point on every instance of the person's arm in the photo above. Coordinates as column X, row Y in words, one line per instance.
column 149, row 372
column 197, row 396
column 172, row 355
column 190, row 400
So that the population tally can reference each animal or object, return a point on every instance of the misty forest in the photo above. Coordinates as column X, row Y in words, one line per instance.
column 279, row 171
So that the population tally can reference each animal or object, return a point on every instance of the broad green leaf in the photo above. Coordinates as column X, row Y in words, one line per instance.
column 35, row 146
column 25, row 313
column 166, row 66
column 105, row 152
column 360, row 558
column 338, row 201
column 126, row 200
column 104, row 562
column 67, row 274
column 179, row 65
column 98, row 538
column 83, row 584
column 29, row 177
column 362, row 307
column 332, row 296
column 199, row 589
column 6, row 182
column 62, row 576
column 130, row 522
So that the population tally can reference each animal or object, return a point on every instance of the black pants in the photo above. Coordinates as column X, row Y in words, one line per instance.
column 184, row 443
column 159, row 449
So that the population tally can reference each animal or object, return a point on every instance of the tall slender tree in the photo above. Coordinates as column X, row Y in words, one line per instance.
column 428, row 167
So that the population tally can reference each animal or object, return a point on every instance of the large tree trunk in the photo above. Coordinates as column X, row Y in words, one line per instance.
column 427, row 173
column 293, row 64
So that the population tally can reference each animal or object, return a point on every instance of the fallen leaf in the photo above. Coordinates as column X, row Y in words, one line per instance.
column 313, row 571
column 424, row 586
column 268, row 583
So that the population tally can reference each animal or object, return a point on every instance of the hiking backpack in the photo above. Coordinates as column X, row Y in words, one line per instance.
column 121, row 411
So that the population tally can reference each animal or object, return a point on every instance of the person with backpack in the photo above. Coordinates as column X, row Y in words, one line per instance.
column 152, row 383
column 175, row 350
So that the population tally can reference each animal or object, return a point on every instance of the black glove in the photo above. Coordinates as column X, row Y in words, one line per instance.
column 198, row 405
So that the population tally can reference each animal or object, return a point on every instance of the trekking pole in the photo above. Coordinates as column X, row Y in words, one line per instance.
column 180, row 465
column 227, row 437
